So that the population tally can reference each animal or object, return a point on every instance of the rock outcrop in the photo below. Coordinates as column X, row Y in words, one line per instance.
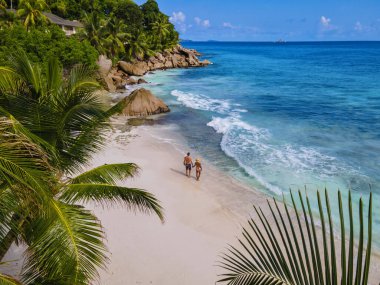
column 179, row 57
column 115, row 79
column 142, row 102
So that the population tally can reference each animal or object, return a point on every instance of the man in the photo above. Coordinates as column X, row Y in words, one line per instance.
column 188, row 162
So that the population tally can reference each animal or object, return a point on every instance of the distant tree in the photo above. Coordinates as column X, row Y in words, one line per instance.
column 93, row 31
column 151, row 12
column 31, row 11
column 161, row 30
column 137, row 47
column 116, row 36
column 131, row 14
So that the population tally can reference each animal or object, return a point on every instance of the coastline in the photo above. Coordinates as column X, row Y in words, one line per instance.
column 202, row 218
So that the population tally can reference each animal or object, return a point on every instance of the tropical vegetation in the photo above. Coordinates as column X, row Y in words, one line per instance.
column 285, row 247
column 121, row 29
column 50, row 126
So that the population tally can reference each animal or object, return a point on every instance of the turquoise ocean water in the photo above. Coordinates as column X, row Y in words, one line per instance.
column 280, row 116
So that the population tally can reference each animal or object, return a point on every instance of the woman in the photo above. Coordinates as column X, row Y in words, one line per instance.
column 198, row 168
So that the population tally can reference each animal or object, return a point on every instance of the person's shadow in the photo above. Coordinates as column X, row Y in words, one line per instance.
column 181, row 172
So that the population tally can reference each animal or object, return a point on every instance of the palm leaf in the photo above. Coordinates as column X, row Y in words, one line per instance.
column 107, row 174
column 75, row 252
column 132, row 198
column 7, row 280
column 289, row 252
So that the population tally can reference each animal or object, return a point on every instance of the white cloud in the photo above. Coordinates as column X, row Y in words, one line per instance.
column 228, row 25
column 179, row 19
column 204, row 23
column 358, row 26
column 325, row 21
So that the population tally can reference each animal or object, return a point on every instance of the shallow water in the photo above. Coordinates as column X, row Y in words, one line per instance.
column 281, row 116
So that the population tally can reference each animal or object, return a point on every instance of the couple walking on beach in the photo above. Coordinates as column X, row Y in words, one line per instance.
column 188, row 162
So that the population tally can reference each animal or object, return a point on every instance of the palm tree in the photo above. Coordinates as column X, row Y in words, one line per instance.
column 288, row 251
column 93, row 31
column 32, row 12
column 62, row 121
column 160, row 29
column 115, row 36
column 137, row 46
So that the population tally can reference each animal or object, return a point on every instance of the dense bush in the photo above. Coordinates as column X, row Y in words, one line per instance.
column 41, row 43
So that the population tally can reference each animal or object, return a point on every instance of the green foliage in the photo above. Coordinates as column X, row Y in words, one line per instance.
column 291, row 251
column 121, row 29
column 41, row 44
column 50, row 127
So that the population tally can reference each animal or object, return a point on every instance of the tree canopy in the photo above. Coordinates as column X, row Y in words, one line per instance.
column 121, row 29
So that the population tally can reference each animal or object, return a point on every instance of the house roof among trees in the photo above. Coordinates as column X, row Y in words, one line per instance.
column 57, row 20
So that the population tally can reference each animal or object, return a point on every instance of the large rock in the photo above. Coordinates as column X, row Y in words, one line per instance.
column 138, row 68
column 142, row 102
column 104, row 64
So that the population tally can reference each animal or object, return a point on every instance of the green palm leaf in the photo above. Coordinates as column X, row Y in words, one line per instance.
column 66, row 247
column 289, row 252
column 132, row 198
column 108, row 174
column 7, row 280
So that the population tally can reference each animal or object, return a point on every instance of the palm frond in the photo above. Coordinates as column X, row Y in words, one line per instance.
column 132, row 198
column 288, row 251
column 107, row 174
column 8, row 280
column 66, row 247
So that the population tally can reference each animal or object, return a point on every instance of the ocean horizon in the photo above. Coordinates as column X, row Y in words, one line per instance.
column 283, row 116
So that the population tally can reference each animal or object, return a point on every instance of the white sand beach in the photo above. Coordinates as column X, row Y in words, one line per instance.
column 201, row 218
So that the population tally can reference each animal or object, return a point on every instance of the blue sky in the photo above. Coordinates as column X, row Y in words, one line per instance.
column 270, row 20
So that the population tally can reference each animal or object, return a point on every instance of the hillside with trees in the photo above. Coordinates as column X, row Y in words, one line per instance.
column 122, row 30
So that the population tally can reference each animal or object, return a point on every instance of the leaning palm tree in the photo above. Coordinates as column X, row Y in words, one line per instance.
column 288, row 251
column 65, row 120
column 32, row 12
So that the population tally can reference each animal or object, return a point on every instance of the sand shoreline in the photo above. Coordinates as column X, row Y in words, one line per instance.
column 200, row 217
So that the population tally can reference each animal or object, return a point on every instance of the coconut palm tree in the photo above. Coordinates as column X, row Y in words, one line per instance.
column 160, row 29
column 137, row 46
column 93, row 31
column 41, row 206
column 290, row 252
column 115, row 36
column 32, row 12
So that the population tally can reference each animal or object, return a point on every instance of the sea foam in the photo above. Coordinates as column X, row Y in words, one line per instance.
column 201, row 102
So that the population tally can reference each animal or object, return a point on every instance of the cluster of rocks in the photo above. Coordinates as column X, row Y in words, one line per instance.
column 141, row 102
column 179, row 57
column 116, row 78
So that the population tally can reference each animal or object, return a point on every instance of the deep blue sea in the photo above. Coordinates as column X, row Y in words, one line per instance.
column 281, row 116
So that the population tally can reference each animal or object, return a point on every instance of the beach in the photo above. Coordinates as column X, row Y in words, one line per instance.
column 201, row 217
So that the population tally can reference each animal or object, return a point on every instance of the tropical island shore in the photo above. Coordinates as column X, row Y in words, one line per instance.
column 201, row 218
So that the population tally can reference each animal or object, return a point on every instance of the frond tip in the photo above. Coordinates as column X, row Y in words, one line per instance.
column 289, row 251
